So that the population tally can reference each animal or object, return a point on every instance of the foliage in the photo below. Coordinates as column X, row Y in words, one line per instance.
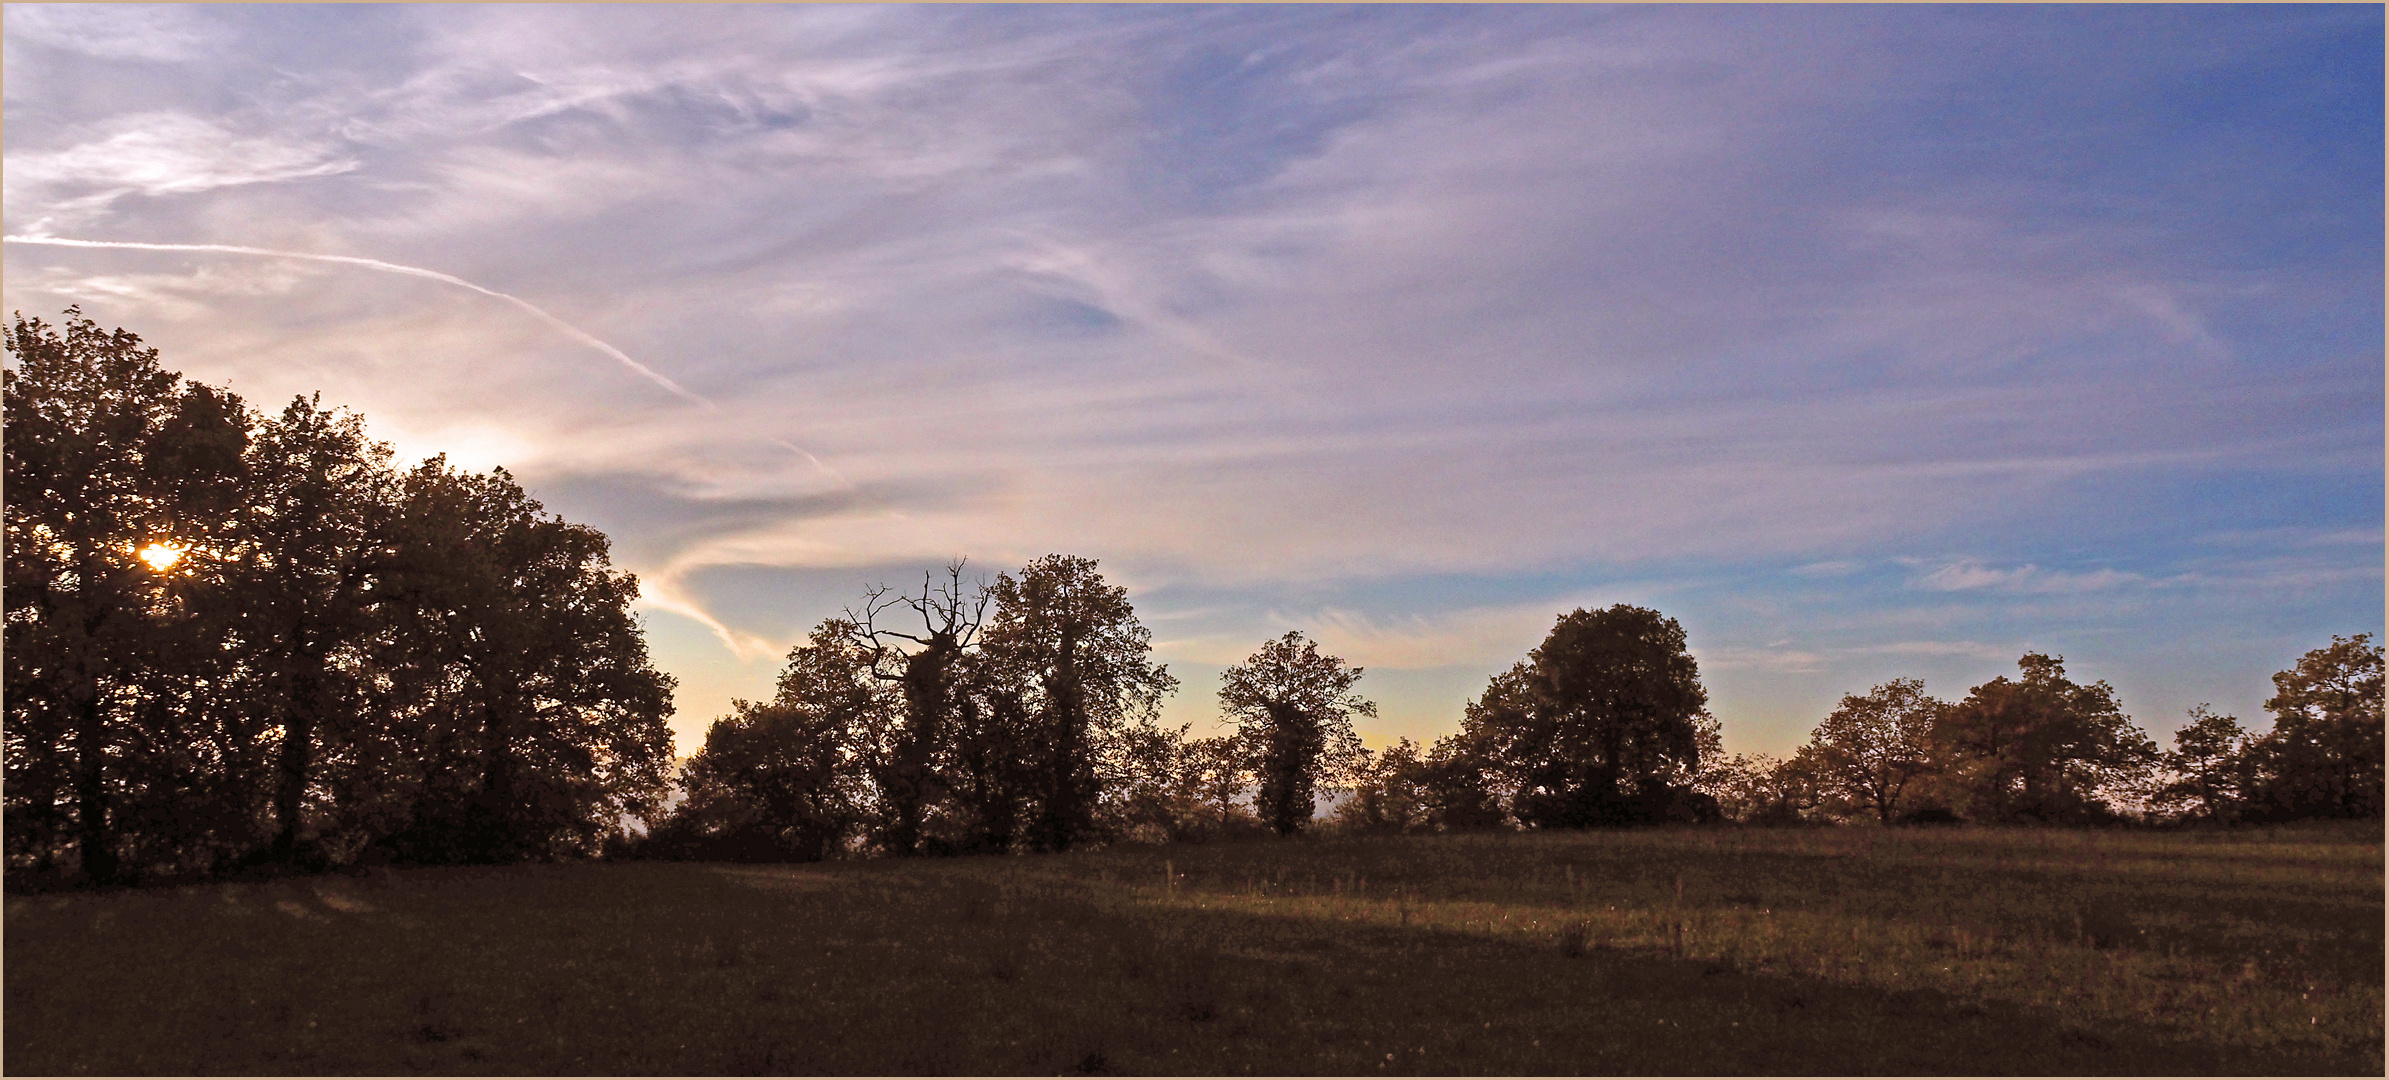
column 1067, row 646
column 339, row 658
column 105, row 455
column 1017, row 716
column 1762, row 789
column 1390, row 793
column 783, row 780
column 2323, row 756
column 1294, row 707
column 1213, row 773
column 2039, row 748
column 1602, row 724
column 1873, row 748
column 2208, row 767
column 1460, row 787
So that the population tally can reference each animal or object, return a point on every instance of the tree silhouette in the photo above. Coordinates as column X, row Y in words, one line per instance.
column 1602, row 724
column 538, row 679
column 786, row 779
column 1294, row 707
column 1215, row 770
column 313, row 550
column 1870, row 751
column 236, row 638
column 1389, row 792
column 2323, row 756
column 1069, row 645
column 928, row 668
column 105, row 456
column 2209, row 766
column 1460, row 783
column 2039, row 748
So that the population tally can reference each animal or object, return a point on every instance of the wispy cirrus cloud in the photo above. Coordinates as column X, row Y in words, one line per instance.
column 154, row 154
column 1970, row 575
column 1288, row 314
column 152, row 32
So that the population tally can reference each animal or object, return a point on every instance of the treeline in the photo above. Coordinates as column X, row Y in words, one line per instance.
column 236, row 639
column 1018, row 716
column 2043, row 748
column 1013, row 716
column 914, row 740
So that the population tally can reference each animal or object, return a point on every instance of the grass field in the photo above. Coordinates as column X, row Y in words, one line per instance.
column 1652, row 951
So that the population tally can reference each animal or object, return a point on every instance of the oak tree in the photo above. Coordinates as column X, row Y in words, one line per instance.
column 1294, row 707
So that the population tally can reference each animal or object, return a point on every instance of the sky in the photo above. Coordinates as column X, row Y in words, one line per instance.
column 1866, row 342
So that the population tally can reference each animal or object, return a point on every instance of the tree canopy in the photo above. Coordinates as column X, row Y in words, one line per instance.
column 235, row 638
column 1603, row 723
column 1293, row 706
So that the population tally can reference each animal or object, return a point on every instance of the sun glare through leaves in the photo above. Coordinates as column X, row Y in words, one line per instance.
column 161, row 556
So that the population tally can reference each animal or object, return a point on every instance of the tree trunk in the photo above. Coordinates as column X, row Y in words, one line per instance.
column 1061, row 818
column 298, row 751
column 93, row 839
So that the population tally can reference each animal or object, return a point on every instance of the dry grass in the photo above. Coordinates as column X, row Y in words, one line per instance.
column 1660, row 951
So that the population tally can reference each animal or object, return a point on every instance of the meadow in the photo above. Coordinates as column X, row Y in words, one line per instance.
column 1653, row 951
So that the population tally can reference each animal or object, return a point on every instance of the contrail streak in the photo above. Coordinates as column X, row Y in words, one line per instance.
column 565, row 328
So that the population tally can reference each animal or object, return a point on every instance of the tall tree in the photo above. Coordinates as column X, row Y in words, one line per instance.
column 106, row 457
column 1870, row 751
column 2040, row 748
column 1294, row 706
column 2323, row 756
column 1602, row 724
column 316, row 532
column 1070, row 645
column 546, row 715
column 928, row 667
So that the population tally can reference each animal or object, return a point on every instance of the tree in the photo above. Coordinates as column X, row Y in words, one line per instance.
column 929, row 669
column 2323, row 756
column 106, row 457
column 2040, row 748
column 1602, row 724
column 1295, row 708
column 1762, row 789
column 785, row 780
column 1458, row 782
column 1069, row 647
column 2208, row 768
column 542, row 715
column 1216, row 770
column 1871, row 749
column 1389, row 792
column 315, row 545
column 231, row 637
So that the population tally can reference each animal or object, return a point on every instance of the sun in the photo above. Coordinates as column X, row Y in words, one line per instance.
column 161, row 556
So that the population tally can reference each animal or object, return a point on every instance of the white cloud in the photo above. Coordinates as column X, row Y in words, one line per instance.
column 161, row 153
column 1969, row 575
column 160, row 32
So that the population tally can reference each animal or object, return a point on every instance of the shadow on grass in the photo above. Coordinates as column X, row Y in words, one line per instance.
column 956, row 966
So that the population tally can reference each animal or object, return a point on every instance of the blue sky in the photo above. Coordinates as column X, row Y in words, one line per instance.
column 1866, row 342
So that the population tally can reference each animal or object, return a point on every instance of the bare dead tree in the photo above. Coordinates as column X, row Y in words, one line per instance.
column 925, row 665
